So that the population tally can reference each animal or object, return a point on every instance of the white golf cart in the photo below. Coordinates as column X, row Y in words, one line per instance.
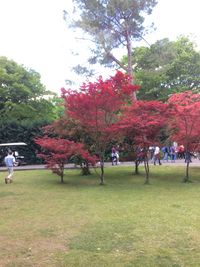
column 4, row 148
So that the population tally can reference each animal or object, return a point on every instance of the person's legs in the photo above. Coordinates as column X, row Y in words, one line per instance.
column 165, row 156
column 155, row 159
column 7, row 177
column 113, row 160
column 10, row 174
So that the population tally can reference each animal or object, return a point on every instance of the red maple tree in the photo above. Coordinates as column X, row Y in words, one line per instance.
column 56, row 152
column 96, row 107
column 184, row 123
column 142, row 123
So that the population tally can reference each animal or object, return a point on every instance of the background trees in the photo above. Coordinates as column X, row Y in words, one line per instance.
column 25, row 106
column 22, row 94
column 110, row 25
column 166, row 67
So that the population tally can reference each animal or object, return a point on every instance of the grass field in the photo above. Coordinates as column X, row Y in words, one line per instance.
column 125, row 223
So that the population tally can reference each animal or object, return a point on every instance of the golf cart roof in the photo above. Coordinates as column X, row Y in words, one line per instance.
column 14, row 144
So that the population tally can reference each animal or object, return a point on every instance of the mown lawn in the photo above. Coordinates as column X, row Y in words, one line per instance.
column 125, row 223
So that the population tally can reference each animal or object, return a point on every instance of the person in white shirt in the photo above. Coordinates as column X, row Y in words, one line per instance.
column 10, row 163
column 157, row 155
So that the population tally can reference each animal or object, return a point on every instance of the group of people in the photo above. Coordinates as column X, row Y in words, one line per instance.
column 156, row 154
column 173, row 152
column 167, row 153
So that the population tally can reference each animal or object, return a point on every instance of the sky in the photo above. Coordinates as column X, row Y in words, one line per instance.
column 33, row 33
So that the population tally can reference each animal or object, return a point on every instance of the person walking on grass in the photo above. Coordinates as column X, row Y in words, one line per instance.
column 10, row 163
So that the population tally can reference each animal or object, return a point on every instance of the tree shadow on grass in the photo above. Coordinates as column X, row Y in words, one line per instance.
column 119, row 178
column 176, row 174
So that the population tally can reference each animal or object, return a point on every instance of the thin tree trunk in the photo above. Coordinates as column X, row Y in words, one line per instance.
column 129, row 53
column 146, row 166
column 129, row 49
column 62, row 174
column 102, row 172
column 186, row 179
column 187, row 171
column 137, row 163
column 85, row 170
column 188, row 160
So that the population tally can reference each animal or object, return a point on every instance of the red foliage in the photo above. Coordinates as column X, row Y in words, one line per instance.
column 57, row 152
column 142, row 121
column 96, row 107
column 185, row 119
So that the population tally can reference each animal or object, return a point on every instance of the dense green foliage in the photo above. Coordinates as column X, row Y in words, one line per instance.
column 22, row 94
column 166, row 67
column 24, row 107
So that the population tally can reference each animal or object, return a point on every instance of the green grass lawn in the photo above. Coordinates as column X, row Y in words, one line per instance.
column 125, row 223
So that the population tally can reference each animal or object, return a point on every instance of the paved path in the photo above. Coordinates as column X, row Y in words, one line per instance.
column 195, row 162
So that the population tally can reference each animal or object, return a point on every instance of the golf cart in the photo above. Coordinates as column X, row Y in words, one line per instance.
column 4, row 148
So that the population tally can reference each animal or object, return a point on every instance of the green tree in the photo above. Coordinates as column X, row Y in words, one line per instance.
column 111, row 24
column 166, row 67
column 58, row 104
column 22, row 94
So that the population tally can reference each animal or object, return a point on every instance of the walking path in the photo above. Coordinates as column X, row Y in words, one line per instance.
column 194, row 163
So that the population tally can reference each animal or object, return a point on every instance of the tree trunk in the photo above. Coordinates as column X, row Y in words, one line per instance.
column 186, row 179
column 146, row 167
column 85, row 170
column 102, row 172
column 187, row 160
column 62, row 177
column 62, row 174
column 137, row 163
column 129, row 53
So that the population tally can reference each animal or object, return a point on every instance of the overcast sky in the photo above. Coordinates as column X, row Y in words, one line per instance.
column 33, row 33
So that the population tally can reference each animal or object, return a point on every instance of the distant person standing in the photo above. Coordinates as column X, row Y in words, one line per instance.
column 117, row 157
column 172, row 153
column 157, row 155
column 165, row 153
column 10, row 163
column 114, row 156
column 181, row 152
